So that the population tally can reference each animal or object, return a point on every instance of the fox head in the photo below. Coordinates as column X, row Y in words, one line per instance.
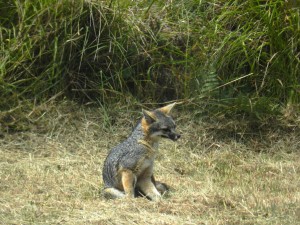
column 158, row 123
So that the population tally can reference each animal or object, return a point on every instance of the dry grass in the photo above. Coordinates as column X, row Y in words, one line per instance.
column 53, row 176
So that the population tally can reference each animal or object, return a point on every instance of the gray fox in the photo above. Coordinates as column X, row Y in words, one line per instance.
column 128, row 168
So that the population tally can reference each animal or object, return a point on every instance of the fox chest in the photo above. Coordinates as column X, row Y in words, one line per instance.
column 144, row 166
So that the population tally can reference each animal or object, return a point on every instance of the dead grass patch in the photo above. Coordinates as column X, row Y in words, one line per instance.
column 54, row 177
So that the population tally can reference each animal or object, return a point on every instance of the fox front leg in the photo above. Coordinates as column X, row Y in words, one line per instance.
column 161, row 187
column 146, row 183
column 149, row 189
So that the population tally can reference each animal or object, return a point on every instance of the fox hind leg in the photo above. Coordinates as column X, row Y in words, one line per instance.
column 129, row 182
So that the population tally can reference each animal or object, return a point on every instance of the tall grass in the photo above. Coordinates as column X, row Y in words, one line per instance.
column 260, row 39
column 244, row 53
column 65, row 46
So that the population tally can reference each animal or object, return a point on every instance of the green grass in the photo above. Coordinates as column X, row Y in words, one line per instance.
column 262, row 40
column 230, row 57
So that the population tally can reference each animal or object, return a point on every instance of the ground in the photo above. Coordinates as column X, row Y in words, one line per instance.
column 51, row 173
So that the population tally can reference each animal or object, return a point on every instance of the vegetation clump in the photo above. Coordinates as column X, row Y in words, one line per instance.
column 241, row 55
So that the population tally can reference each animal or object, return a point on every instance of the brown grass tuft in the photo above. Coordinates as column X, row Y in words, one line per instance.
column 54, row 177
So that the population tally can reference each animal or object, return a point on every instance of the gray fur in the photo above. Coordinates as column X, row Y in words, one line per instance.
column 124, row 155
column 137, row 154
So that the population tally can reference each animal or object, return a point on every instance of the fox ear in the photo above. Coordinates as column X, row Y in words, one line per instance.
column 149, row 116
column 166, row 109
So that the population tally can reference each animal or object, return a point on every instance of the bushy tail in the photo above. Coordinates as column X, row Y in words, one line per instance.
column 113, row 193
